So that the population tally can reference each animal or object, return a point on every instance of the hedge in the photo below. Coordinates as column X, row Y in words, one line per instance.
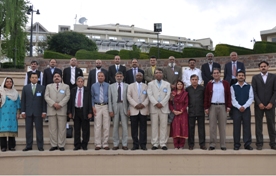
column 11, row 65
column 163, row 53
column 195, row 52
column 84, row 54
column 112, row 52
column 129, row 54
column 55, row 55
column 225, row 50
column 144, row 56
column 264, row 47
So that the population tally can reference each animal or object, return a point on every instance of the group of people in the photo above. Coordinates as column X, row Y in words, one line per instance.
column 118, row 94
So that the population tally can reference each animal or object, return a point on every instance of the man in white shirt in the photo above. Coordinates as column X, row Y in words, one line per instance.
column 191, row 71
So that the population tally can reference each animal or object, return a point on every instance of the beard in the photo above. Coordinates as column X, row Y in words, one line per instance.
column 171, row 64
column 98, row 66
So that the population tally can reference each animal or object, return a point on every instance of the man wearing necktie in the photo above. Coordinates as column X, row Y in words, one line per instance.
column 33, row 110
column 113, row 69
column 70, row 74
column 34, row 65
column 131, row 73
column 172, row 73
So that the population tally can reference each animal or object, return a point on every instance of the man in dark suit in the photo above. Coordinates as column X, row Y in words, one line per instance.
column 48, row 72
column 113, row 69
column 264, row 88
column 231, row 69
column 131, row 73
column 33, row 109
column 93, row 78
column 34, row 65
column 80, row 109
column 71, row 73
column 207, row 68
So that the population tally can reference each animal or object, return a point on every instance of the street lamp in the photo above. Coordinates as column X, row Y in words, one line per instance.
column 157, row 28
column 30, row 12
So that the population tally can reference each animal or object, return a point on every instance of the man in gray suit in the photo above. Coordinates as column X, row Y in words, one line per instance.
column 149, row 72
column 118, row 109
column 57, row 95
column 264, row 88
column 172, row 72
column 159, row 94
column 33, row 109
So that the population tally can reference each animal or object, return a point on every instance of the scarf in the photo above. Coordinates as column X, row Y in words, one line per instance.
column 11, row 93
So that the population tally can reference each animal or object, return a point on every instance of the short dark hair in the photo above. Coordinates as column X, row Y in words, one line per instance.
column 241, row 71
column 158, row 69
column 262, row 63
column 34, row 62
column 119, row 73
column 191, row 60
column 216, row 69
column 194, row 75
column 57, row 73
column 52, row 59
column 153, row 57
column 33, row 73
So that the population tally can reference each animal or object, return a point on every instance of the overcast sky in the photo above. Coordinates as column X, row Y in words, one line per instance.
column 234, row 22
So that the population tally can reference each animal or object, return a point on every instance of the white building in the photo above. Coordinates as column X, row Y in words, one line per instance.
column 269, row 35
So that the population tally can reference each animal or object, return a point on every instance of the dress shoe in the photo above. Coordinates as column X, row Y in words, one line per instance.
column 26, row 149
column 191, row 148
column 164, row 148
column 229, row 118
column 12, row 149
column 76, row 148
column 259, row 147
column 124, row 148
column 53, row 148
column 248, row 147
column 203, row 147
column 135, row 148
column 223, row 148
column 273, row 147
column 115, row 148
column 154, row 148
column 61, row 148
column 3, row 149
column 211, row 148
column 97, row 148
column 106, row 148
column 144, row 148
column 40, row 149
column 236, row 148
column 84, row 148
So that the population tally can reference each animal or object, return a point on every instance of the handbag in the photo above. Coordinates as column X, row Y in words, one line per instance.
column 171, row 114
column 69, row 132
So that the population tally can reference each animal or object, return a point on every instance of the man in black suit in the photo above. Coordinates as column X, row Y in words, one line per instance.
column 80, row 109
column 131, row 73
column 33, row 109
column 93, row 78
column 264, row 88
column 34, row 65
column 71, row 73
column 49, row 72
column 113, row 69
column 207, row 68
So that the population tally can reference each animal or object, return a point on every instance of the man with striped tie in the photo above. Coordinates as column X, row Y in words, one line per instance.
column 113, row 69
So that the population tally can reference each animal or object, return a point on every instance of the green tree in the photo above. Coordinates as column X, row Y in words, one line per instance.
column 70, row 43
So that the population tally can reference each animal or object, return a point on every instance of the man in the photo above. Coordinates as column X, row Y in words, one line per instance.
column 159, row 94
column 231, row 69
column 196, row 113
column 191, row 71
column 206, row 69
column 113, row 69
column 172, row 72
column 93, row 74
column 217, row 101
column 57, row 95
column 118, row 110
column 138, row 106
column 71, row 73
column 264, row 87
column 80, row 109
column 33, row 109
column 242, row 97
column 131, row 73
column 149, row 72
column 99, row 92
column 34, row 65
column 48, row 72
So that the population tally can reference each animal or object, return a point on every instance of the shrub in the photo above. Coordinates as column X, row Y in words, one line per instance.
column 55, row 55
column 225, row 50
column 195, row 52
column 163, row 53
column 84, row 54
column 112, row 52
column 264, row 47
column 144, row 56
column 128, row 54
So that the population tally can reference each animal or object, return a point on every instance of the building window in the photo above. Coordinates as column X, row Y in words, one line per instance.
column 63, row 29
column 96, row 37
column 166, row 42
column 41, row 38
column 141, row 40
column 273, row 39
column 112, row 38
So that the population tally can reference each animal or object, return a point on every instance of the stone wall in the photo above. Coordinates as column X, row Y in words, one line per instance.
column 250, row 61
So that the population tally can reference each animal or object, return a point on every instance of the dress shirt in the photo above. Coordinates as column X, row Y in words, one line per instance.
column 122, row 89
column 234, row 63
column 188, row 73
column 77, row 97
column 264, row 76
column 117, row 67
column 26, row 78
column 97, row 71
column 248, row 102
column 95, row 91
column 153, row 69
column 139, row 88
column 210, row 66
column 52, row 69
column 218, row 92
column 73, row 72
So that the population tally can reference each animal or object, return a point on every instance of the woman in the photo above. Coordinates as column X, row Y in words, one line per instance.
column 9, row 113
column 178, row 105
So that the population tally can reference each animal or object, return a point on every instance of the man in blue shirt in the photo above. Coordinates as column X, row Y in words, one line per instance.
column 99, row 92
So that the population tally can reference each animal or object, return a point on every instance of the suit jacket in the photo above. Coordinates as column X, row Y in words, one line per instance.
column 172, row 76
column 33, row 104
column 112, row 71
column 60, row 96
column 206, row 73
column 228, row 70
column 87, row 103
column 264, row 92
column 130, row 77
column 163, row 94
column 92, row 77
column 67, row 75
column 133, row 99
column 48, row 76
column 148, row 75
column 113, row 97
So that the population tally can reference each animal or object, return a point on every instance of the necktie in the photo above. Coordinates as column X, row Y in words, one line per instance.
column 172, row 68
column 101, row 93
column 79, row 99
column 33, row 89
column 134, row 74
column 117, row 68
column 72, row 80
column 119, row 92
column 139, row 92
column 57, row 86
column 234, row 71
